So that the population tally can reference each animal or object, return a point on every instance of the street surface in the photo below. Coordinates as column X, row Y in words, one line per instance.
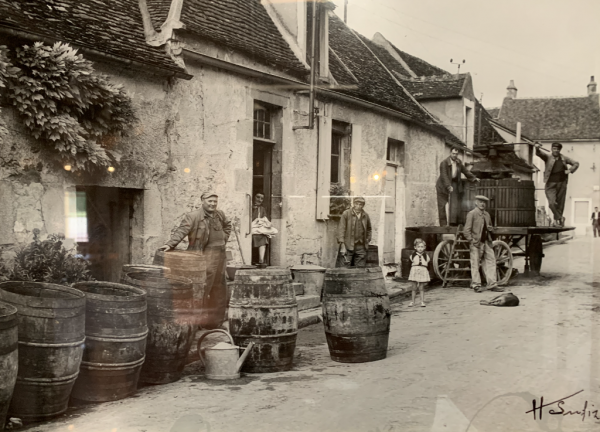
column 453, row 366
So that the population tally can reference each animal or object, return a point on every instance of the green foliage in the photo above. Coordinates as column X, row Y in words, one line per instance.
column 339, row 201
column 7, row 71
column 45, row 261
column 68, row 106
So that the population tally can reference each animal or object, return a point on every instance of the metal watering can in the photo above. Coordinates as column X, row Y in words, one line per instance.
column 222, row 362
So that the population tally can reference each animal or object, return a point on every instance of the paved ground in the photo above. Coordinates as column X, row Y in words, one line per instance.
column 452, row 366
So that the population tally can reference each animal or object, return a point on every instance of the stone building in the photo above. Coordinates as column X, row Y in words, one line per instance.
column 222, row 93
column 573, row 121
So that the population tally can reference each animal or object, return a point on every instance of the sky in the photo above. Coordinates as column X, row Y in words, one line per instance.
column 548, row 47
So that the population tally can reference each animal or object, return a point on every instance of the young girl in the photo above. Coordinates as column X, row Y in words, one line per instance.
column 419, row 274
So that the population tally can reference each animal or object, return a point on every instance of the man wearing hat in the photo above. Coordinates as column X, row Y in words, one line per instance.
column 556, row 177
column 354, row 234
column 449, row 188
column 207, row 230
column 478, row 230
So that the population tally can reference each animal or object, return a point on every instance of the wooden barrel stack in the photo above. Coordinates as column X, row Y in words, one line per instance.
column 170, row 324
column 187, row 264
column 512, row 201
column 51, row 338
column 263, row 310
column 116, row 331
column 9, row 338
column 356, row 314
column 132, row 268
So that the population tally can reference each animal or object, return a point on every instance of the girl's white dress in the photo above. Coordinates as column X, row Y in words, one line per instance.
column 419, row 271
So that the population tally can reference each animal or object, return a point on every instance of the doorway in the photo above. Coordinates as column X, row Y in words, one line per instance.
column 108, row 214
column 580, row 214
column 262, row 158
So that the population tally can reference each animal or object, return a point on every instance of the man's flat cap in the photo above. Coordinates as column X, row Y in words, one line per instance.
column 482, row 198
column 208, row 194
column 360, row 199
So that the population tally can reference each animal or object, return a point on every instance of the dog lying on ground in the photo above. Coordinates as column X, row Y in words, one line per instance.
column 506, row 299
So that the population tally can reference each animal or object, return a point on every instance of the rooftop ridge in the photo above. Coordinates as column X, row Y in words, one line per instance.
column 551, row 97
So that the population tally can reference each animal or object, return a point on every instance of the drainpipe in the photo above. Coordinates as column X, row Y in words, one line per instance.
column 311, row 101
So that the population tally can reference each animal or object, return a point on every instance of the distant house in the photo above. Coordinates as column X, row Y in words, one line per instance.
column 574, row 122
column 221, row 89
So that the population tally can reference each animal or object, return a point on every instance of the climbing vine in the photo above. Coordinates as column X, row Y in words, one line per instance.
column 66, row 105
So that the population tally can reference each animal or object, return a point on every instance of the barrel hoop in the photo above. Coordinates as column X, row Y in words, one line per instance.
column 56, row 345
column 258, row 306
column 112, row 366
column 371, row 295
column 265, row 336
column 115, row 311
column 53, row 315
column 128, row 338
column 350, row 335
column 48, row 381
column 8, row 349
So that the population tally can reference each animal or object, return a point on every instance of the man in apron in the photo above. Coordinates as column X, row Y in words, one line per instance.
column 207, row 230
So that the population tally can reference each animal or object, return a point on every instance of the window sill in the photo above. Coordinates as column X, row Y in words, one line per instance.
column 264, row 140
column 334, row 216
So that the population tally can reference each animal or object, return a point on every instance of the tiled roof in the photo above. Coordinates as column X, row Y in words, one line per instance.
column 375, row 84
column 243, row 25
column 418, row 66
column 111, row 27
column 554, row 118
column 488, row 135
column 493, row 112
column 435, row 87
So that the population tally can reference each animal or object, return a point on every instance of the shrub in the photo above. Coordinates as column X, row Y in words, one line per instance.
column 68, row 106
column 45, row 261
column 339, row 201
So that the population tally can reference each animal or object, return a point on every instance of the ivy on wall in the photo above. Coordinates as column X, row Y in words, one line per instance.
column 7, row 71
column 66, row 105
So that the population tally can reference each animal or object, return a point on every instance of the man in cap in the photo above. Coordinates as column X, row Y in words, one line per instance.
column 354, row 233
column 449, row 188
column 207, row 230
column 478, row 230
column 556, row 177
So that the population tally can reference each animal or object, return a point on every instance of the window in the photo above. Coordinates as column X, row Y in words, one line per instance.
column 395, row 152
column 262, row 122
column 340, row 153
column 336, row 152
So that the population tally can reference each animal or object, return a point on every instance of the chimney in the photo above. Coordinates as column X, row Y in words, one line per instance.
column 591, row 87
column 511, row 92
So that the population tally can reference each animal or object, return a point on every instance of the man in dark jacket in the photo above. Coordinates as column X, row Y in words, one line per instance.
column 354, row 234
column 556, row 177
column 207, row 230
column 449, row 188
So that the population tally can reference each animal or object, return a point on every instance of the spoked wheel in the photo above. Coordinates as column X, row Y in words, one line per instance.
column 504, row 262
column 441, row 255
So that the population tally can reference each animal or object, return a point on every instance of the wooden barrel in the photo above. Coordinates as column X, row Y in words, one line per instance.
column 512, row 201
column 171, row 326
column 132, row 268
column 115, row 348
column 188, row 264
column 263, row 310
column 356, row 314
column 51, row 337
column 9, row 338
column 405, row 263
column 372, row 256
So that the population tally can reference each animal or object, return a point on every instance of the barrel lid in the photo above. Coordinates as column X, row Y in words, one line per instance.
column 308, row 268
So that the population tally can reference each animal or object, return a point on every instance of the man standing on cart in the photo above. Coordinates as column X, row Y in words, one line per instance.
column 478, row 231
column 449, row 188
column 556, row 177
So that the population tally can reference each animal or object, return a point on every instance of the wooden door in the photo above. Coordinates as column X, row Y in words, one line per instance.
column 389, row 236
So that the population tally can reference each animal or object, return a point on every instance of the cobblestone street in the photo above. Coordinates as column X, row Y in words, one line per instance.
column 452, row 366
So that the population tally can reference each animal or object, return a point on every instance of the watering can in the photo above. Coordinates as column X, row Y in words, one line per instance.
column 223, row 361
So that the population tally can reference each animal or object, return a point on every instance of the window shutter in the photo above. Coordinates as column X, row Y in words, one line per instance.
column 355, row 163
column 324, row 164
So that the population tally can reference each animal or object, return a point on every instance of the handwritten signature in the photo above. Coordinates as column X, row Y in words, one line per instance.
column 560, row 409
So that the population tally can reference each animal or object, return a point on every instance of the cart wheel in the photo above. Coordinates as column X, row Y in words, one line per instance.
column 536, row 253
column 504, row 262
column 441, row 255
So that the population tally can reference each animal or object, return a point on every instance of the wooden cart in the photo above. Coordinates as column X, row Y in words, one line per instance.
column 451, row 258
